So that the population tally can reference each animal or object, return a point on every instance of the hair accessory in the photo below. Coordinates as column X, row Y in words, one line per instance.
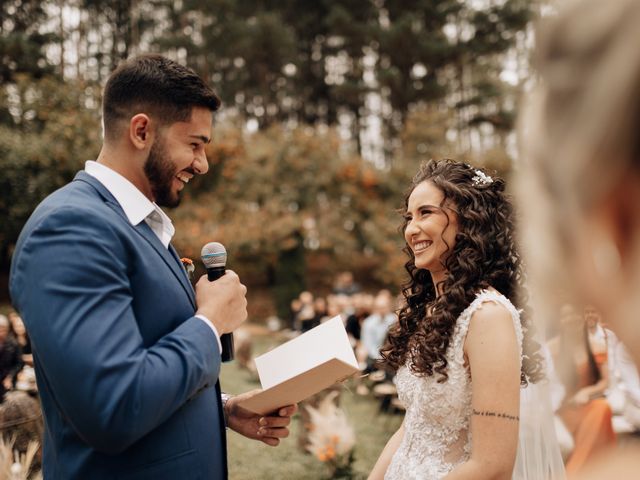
column 481, row 178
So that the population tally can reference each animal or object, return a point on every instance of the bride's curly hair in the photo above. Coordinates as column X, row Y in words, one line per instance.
column 484, row 255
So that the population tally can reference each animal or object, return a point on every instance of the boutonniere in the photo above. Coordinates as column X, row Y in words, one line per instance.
column 188, row 265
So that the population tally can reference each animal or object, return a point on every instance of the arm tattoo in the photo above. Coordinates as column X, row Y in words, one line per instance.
column 485, row 413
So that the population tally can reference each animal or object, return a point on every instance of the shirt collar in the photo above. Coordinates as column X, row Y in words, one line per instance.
column 136, row 206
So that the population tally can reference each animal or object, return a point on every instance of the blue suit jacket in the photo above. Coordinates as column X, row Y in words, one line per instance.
column 127, row 376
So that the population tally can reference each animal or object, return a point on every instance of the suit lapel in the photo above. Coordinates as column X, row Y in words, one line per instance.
column 169, row 256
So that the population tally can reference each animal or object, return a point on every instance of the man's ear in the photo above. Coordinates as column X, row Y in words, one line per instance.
column 141, row 131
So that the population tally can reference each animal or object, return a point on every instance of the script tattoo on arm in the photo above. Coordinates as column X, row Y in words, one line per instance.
column 486, row 413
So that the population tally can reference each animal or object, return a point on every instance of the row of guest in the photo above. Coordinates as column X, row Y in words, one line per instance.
column 367, row 319
column 346, row 300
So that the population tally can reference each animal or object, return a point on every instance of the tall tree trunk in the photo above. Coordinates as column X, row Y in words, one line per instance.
column 82, row 38
column 62, row 37
column 133, row 28
column 123, row 15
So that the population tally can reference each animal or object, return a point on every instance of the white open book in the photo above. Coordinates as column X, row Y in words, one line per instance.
column 303, row 366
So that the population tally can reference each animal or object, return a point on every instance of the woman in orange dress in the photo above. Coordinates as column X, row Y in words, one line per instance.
column 580, row 358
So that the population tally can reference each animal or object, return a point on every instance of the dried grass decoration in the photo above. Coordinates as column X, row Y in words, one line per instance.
column 18, row 466
column 22, row 428
column 331, row 437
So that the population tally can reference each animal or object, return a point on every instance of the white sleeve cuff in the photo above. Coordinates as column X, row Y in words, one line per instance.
column 213, row 328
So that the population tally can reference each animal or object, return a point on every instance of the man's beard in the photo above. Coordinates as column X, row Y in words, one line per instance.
column 160, row 172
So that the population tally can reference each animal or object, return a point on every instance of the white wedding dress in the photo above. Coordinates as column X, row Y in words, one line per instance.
column 436, row 425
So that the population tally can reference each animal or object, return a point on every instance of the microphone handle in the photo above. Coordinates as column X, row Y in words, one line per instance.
column 215, row 273
column 226, row 339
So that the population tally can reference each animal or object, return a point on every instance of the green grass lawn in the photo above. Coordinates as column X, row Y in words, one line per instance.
column 249, row 459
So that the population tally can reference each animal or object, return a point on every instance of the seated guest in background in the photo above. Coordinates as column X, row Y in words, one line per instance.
column 339, row 305
column 319, row 310
column 579, row 356
column 22, row 337
column 362, row 306
column 10, row 357
column 345, row 284
column 375, row 328
column 294, row 310
column 305, row 319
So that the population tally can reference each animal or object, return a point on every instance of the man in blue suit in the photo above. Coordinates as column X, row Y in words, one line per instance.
column 127, row 354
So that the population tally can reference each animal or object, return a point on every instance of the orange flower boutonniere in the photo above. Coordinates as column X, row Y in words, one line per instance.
column 188, row 265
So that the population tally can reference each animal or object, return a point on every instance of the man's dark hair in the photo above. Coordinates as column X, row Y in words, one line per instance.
column 157, row 86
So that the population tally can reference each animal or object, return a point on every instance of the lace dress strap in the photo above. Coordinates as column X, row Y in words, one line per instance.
column 484, row 296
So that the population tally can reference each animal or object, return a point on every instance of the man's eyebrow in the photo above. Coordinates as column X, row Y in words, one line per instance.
column 201, row 137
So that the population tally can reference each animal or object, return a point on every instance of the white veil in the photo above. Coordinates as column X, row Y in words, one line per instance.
column 538, row 456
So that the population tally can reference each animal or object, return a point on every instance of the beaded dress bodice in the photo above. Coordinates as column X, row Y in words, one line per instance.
column 436, row 425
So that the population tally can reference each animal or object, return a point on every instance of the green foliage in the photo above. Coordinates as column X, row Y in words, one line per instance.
column 424, row 137
column 295, row 60
column 289, row 275
column 312, row 62
column 21, row 40
column 294, row 202
column 274, row 192
column 55, row 134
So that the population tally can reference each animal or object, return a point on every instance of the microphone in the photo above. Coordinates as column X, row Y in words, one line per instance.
column 214, row 258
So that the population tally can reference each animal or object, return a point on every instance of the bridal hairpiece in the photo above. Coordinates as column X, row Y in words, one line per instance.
column 481, row 178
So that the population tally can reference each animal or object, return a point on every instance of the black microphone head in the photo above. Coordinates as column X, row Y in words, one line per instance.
column 213, row 255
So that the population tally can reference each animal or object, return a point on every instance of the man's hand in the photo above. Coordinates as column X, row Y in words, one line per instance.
column 223, row 301
column 268, row 429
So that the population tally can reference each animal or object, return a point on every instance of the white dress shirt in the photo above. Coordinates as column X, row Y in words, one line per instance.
column 138, row 208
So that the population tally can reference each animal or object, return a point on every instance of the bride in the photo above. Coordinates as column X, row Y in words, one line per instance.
column 463, row 348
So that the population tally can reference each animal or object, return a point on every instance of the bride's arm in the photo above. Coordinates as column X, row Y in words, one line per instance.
column 492, row 351
column 390, row 448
